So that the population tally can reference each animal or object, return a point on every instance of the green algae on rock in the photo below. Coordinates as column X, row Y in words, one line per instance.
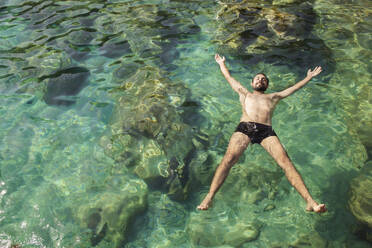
column 166, row 219
column 125, row 71
column 313, row 240
column 47, row 60
column 223, row 230
column 115, row 48
column 360, row 201
column 259, row 31
column 285, row 2
column 152, row 31
column 350, row 85
column 147, row 124
column 33, row 65
column 109, row 214
column 148, row 105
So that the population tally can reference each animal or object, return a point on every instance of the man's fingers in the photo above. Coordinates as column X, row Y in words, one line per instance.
column 218, row 58
column 317, row 70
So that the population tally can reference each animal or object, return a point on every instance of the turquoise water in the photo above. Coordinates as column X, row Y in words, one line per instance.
column 114, row 116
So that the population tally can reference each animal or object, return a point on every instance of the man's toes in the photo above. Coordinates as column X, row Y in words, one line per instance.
column 318, row 208
column 202, row 207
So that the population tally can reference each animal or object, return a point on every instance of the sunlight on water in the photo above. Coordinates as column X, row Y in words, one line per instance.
column 114, row 117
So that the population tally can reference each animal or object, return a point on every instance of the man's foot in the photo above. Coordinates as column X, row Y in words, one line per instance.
column 314, row 206
column 206, row 203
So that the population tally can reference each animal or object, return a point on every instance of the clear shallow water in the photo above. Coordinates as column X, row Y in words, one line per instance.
column 122, row 155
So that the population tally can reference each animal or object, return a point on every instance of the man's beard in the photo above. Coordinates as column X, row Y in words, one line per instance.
column 261, row 88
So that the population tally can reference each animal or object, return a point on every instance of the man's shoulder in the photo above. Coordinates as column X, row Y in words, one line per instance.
column 275, row 97
column 243, row 91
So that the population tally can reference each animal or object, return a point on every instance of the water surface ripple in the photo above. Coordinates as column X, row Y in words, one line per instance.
column 114, row 116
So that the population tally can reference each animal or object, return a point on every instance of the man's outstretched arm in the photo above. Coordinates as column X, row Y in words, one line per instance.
column 289, row 91
column 235, row 85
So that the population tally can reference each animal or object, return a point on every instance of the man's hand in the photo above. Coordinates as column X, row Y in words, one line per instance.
column 315, row 72
column 235, row 85
column 289, row 91
column 218, row 58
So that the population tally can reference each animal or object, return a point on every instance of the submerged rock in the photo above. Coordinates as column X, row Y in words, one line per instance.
column 360, row 201
column 125, row 71
column 116, row 49
column 311, row 240
column 149, row 104
column 151, row 31
column 48, row 60
column 284, row 2
column 82, row 37
column 148, row 134
column 352, row 55
column 67, row 82
column 78, row 44
column 228, row 231
column 359, row 109
column 273, row 34
column 109, row 214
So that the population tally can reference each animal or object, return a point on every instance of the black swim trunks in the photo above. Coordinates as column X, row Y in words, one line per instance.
column 255, row 131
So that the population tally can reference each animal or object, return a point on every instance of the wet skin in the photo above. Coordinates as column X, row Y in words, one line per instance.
column 258, row 107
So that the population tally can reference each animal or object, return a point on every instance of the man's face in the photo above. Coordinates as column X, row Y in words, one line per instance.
column 259, row 82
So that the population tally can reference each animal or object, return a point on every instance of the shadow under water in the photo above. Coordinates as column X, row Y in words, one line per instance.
column 281, row 35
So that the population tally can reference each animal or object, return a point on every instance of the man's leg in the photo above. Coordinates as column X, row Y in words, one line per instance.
column 273, row 146
column 237, row 145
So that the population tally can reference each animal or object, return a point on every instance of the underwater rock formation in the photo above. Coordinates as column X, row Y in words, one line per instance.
column 166, row 219
column 125, row 71
column 115, row 49
column 110, row 214
column 227, row 231
column 350, row 85
column 279, row 34
column 148, row 134
column 26, row 74
column 363, row 118
column 358, row 107
column 310, row 240
column 283, row 2
column 360, row 201
column 151, row 31
column 77, row 43
column 47, row 61
column 67, row 82
column 76, row 39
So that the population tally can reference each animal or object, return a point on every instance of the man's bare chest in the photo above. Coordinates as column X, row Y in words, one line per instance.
column 252, row 100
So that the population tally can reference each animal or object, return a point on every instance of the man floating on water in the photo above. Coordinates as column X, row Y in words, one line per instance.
column 255, row 127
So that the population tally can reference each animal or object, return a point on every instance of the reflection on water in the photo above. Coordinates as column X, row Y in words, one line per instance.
column 115, row 116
